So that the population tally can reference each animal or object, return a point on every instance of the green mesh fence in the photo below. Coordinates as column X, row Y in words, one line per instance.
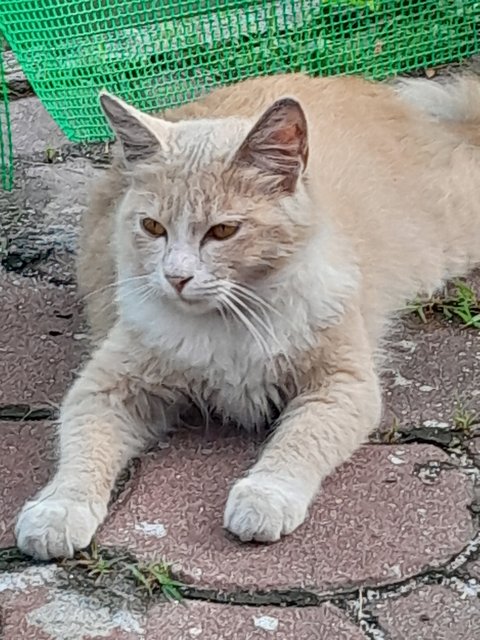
column 6, row 150
column 161, row 53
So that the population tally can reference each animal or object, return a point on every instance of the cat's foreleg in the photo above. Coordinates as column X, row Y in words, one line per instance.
column 102, row 425
column 319, row 430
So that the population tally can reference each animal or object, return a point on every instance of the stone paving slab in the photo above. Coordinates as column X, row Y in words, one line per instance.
column 42, row 213
column 41, row 341
column 207, row 621
column 27, row 456
column 17, row 611
column 33, row 129
column 21, row 595
column 49, row 197
column 60, row 192
column 388, row 514
column 474, row 449
column 403, row 514
column 52, row 197
column 431, row 368
column 473, row 570
column 35, row 606
column 431, row 613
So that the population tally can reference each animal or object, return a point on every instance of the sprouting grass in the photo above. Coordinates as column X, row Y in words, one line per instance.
column 464, row 306
column 462, row 303
column 99, row 564
column 96, row 565
column 463, row 417
column 422, row 308
column 50, row 154
column 392, row 434
column 157, row 576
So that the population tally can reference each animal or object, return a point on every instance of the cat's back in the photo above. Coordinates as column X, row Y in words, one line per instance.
column 360, row 132
column 338, row 99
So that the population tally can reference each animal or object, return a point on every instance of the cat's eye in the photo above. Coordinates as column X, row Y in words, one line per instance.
column 153, row 228
column 222, row 231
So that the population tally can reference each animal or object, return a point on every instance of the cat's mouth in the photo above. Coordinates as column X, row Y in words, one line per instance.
column 194, row 305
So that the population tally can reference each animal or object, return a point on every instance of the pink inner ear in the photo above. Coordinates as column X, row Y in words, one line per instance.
column 288, row 135
column 293, row 140
column 278, row 145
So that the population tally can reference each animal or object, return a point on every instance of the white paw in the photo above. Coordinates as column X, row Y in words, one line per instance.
column 263, row 507
column 57, row 527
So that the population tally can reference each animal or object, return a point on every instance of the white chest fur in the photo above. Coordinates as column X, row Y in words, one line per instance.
column 219, row 364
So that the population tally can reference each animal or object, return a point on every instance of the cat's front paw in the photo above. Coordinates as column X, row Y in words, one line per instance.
column 263, row 507
column 57, row 527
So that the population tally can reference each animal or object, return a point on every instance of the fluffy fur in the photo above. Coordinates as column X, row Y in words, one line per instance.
column 350, row 197
column 456, row 103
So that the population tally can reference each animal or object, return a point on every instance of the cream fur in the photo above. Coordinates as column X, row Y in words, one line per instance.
column 387, row 207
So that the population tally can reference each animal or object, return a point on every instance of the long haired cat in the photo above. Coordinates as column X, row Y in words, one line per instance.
column 258, row 240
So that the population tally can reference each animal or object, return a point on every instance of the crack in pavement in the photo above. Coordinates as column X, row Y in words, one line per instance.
column 25, row 412
column 356, row 603
column 77, row 575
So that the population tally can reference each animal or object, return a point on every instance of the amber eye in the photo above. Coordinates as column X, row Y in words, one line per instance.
column 222, row 231
column 153, row 227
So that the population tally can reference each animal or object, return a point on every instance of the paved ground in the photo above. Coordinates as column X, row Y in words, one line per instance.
column 390, row 550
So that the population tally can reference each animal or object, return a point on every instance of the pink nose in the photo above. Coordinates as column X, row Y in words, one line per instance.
column 178, row 282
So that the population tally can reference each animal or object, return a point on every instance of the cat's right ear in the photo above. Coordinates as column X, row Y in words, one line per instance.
column 139, row 134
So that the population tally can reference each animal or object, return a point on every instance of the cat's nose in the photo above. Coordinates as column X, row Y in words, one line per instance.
column 178, row 282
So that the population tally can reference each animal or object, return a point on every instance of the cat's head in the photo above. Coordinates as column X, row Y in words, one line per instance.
column 215, row 208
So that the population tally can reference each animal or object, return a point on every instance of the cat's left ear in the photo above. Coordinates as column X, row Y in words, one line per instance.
column 278, row 144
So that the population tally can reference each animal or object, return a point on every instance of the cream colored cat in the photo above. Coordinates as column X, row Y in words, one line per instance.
column 259, row 244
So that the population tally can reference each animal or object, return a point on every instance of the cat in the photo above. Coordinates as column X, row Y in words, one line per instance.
column 245, row 255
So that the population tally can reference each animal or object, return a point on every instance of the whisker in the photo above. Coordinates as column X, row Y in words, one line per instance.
column 112, row 284
column 143, row 291
column 247, row 292
column 221, row 311
column 269, row 329
column 247, row 323
column 250, row 303
column 271, row 334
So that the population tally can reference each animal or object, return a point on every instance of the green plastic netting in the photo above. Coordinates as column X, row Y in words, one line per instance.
column 6, row 148
column 157, row 54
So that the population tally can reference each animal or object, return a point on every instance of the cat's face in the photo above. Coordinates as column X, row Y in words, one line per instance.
column 215, row 208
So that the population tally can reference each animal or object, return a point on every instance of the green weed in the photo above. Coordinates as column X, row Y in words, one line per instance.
column 393, row 432
column 96, row 565
column 51, row 155
column 157, row 576
column 463, row 418
column 462, row 303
